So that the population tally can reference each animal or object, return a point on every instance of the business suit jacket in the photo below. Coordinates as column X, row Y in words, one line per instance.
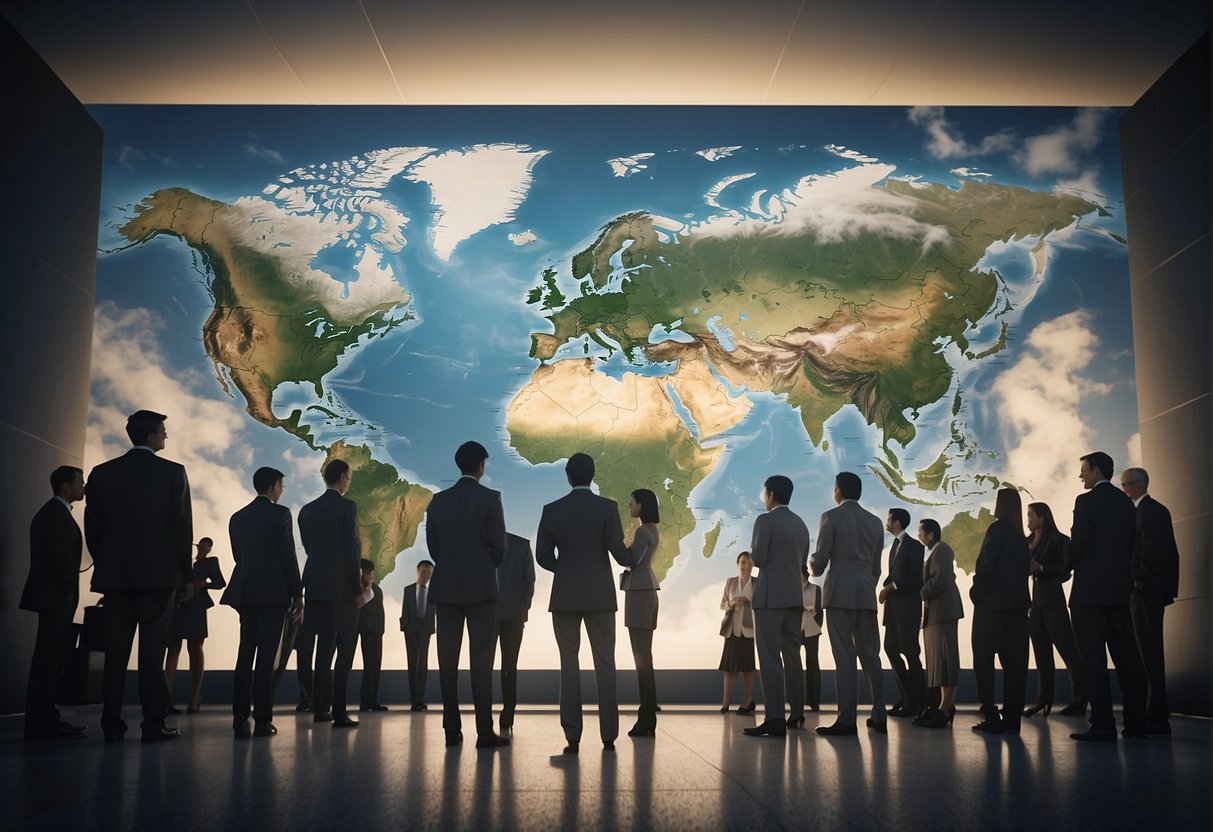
column 1101, row 547
column 371, row 618
column 904, row 604
column 780, row 548
column 644, row 549
column 1000, row 580
column 409, row 620
column 465, row 534
column 55, row 544
column 328, row 527
column 584, row 527
column 1155, row 555
column 1050, row 553
column 738, row 620
column 850, row 544
column 138, row 523
column 515, row 579
column 940, row 595
column 263, row 546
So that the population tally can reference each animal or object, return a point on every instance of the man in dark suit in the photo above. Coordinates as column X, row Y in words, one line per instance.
column 371, row 625
column 332, row 582
column 583, row 527
column 1155, row 569
column 265, row 585
column 465, row 535
column 417, row 622
column 849, row 544
column 53, row 591
column 901, row 595
column 1101, row 553
column 516, row 585
column 139, row 528
column 780, row 548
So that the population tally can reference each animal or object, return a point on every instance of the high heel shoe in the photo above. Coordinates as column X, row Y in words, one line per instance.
column 798, row 722
column 1074, row 709
column 748, row 709
column 638, row 731
column 724, row 709
column 1037, row 708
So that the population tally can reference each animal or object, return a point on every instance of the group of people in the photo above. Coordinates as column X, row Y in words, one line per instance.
column 479, row 578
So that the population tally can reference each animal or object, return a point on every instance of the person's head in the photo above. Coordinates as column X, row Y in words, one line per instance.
column 1040, row 517
column 1095, row 467
column 898, row 521
column 928, row 532
column 368, row 568
column 1135, row 482
column 643, row 504
column 146, row 427
column 68, row 482
column 776, row 491
column 745, row 564
column 425, row 569
column 579, row 469
column 204, row 547
column 269, row 482
column 337, row 475
column 1009, row 509
column 847, row 486
column 470, row 458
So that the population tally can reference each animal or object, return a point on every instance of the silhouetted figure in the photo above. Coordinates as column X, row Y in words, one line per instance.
column 417, row 622
column 139, row 528
column 465, row 535
column 1049, row 619
column 189, row 624
column 332, row 582
column 265, row 585
column 303, row 642
column 371, row 626
column 640, row 586
column 941, row 610
column 901, row 595
column 516, row 587
column 737, row 629
column 810, row 638
column 53, row 591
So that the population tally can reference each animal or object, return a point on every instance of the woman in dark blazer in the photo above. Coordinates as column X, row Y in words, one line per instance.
column 941, row 610
column 1049, row 620
column 639, row 585
column 189, row 623
column 1000, row 615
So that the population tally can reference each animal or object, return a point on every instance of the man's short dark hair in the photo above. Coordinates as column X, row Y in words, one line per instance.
column 901, row 517
column 62, row 475
column 780, row 488
column 1100, row 460
column 469, row 456
column 428, row 563
column 143, row 423
column 335, row 470
column 367, row 566
column 931, row 527
column 266, row 478
column 580, row 469
column 849, row 485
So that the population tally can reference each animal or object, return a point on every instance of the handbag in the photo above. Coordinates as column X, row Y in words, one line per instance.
column 92, row 634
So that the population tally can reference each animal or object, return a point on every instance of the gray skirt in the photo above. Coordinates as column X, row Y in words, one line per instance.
column 942, row 648
column 640, row 609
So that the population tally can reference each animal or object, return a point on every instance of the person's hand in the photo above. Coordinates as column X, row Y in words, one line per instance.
column 1033, row 566
column 187, row 592
column 884, row 593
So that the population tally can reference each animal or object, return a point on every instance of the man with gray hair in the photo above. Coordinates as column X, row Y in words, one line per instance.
column 1155, row 568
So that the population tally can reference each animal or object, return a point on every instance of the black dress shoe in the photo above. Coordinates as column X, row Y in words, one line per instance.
column 344, row 721
column 640, row 731
column 416, row 707
column 265, row 729
column 899, row 711
column 322, row 717
column 990, row 726
column 240, row 729
column 571, row 748
column 796, row 722
column 837, row 730
column 1095, row 735
column 879, row 727
column 75, row 729
column 378, row 708
column 770, row 728
column 161, row 735
column 1074, row 709
column 746, row 710
column 424, row 707
column 52, row 734
column 303, row 706
column 454, row 739
column 492, row 741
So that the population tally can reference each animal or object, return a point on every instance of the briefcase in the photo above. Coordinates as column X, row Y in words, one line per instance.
column 92, row 637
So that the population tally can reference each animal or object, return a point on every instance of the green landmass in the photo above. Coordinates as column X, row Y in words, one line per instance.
column 547, row 291
column 965, row 535
column 710, row 539
column 931, row 478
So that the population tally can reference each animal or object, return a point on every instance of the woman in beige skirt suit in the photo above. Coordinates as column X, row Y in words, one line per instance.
column 738, row 631
column 941, row 609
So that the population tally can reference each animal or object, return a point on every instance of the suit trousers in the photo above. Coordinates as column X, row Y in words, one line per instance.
column 777, row 632
column 481, row 621
column 646, row 679
column 855, row 633
column 600, row 629
column 901, row 640
column 45, row 667
column 1049, row 627
column 509, row 636
column 1147, row 610
column 417, row 653
column 260, row 635
column 150, row 611
column 372, row 665
column 1005, row 633
column 812, row 671
column 336, row 628
column 1110, row 629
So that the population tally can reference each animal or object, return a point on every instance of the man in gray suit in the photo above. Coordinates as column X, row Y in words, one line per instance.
column 780, row 548
column 516, row 582
column 465, row 534
column 584, row 528
column 849, row 544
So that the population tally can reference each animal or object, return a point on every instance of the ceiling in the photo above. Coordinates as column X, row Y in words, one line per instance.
column 863, row 52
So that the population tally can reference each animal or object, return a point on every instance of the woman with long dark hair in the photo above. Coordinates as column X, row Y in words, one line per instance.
column 1049, row 620
column 639, row 585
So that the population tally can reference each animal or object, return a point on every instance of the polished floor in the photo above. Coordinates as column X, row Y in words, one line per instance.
column 700, row 772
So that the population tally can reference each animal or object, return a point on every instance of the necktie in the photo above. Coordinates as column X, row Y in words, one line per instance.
column 421, row 601
column 893, row 553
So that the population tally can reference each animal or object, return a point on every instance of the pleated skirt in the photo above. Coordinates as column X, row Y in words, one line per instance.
column 942, row 647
